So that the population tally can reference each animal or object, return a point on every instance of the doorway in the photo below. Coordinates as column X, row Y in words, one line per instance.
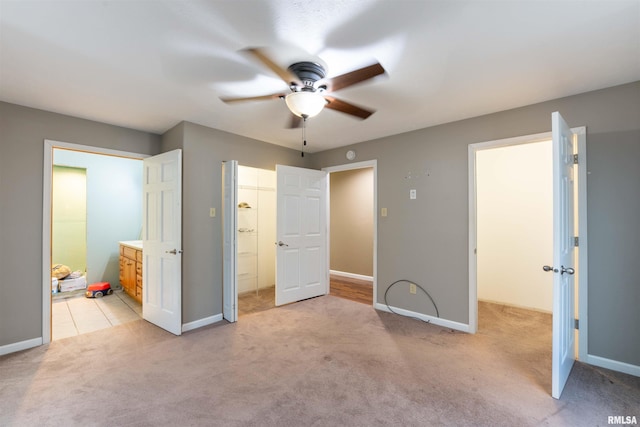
column 79, row 250
column 514, row 214
column 256, row 234
column 569, row 228
column 505, row 148
column 231, row 225
column 107, row 171
column 353, row 231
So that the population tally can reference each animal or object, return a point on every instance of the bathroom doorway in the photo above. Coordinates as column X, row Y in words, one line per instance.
column 95, row 202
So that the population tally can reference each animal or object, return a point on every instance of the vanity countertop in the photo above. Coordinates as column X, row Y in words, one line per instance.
column 135, row 244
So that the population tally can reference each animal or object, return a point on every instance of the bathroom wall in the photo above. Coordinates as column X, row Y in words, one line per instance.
column 114, row 208
column 69, row 217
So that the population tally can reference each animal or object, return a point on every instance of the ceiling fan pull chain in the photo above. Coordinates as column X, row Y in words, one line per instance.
column 304, row 134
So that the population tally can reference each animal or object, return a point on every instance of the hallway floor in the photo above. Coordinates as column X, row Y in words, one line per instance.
column 76, row 315
column 352, row 289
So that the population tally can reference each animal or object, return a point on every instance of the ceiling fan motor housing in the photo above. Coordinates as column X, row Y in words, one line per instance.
column 308, row 73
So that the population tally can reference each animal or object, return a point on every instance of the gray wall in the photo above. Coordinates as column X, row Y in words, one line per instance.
column 426, row 240
column 204, row 150
column 22, row 134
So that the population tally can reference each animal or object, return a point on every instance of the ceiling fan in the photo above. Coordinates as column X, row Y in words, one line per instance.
column 310, row 90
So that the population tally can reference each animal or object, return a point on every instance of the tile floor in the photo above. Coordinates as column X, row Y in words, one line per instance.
column 76, row 315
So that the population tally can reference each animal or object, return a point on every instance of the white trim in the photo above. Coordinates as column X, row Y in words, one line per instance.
column 19, row 346
column 49, row 146
column 582, row 212
column 583, row 248
column 351, row 275
column 473, row 241
column 614, row 365
column 425, row 317
column 363, row 165
column 202, row 322
column 230, row 235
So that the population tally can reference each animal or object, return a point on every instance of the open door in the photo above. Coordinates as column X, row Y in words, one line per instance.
column 230, row 239
column 563, row 352
column 162, row 241
column 302, row 269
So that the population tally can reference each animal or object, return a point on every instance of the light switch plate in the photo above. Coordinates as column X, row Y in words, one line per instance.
column 212, row 212
column 383, row 212
column 412, row 194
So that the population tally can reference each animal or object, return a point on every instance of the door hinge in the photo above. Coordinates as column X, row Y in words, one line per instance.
column 575, row 159
column 576, row 323
column 576, row 241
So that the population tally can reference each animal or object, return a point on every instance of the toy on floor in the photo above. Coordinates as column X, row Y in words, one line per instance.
column 97, row 290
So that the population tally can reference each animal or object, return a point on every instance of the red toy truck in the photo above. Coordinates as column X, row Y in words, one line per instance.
column 97, row 290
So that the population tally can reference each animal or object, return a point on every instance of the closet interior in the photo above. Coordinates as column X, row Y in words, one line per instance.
column 256, row 229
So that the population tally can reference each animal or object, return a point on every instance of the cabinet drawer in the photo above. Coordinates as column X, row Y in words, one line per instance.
column 139, row 268
column 138, row 256
column 139, row 281
column 129, row 252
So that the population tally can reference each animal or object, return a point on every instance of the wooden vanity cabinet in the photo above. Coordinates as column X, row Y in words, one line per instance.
column 131, row 271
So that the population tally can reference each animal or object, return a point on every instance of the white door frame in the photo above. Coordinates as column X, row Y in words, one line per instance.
column 49, row 146
column 353, row 166
column 229, row 240
column 581, row 269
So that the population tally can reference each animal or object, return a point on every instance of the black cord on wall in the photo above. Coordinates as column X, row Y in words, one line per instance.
column 417, row 286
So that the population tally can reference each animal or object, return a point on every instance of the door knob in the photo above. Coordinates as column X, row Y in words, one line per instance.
column 281, row 243
column 568, row 270
column 549, row 268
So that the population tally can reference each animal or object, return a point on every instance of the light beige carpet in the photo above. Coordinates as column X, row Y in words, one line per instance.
column 321, row 362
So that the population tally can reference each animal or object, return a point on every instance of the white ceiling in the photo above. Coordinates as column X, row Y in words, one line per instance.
column 150, row 64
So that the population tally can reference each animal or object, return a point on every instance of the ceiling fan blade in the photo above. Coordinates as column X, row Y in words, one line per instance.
column 294, row 122
column 353, row 77
column 346, row 107
column 254, row 98
column 288, row 77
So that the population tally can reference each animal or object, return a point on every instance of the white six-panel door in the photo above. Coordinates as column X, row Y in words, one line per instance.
column 563, row 352
column 162, row 241
column 301, row 257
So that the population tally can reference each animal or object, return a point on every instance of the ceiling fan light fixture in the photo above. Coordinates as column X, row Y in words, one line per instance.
column 305, row 103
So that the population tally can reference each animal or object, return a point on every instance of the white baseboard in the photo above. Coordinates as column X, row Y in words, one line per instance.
column 202, row 322
column 425, row 317
column 19, row 346
column 614, row 365
column 351, row 275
